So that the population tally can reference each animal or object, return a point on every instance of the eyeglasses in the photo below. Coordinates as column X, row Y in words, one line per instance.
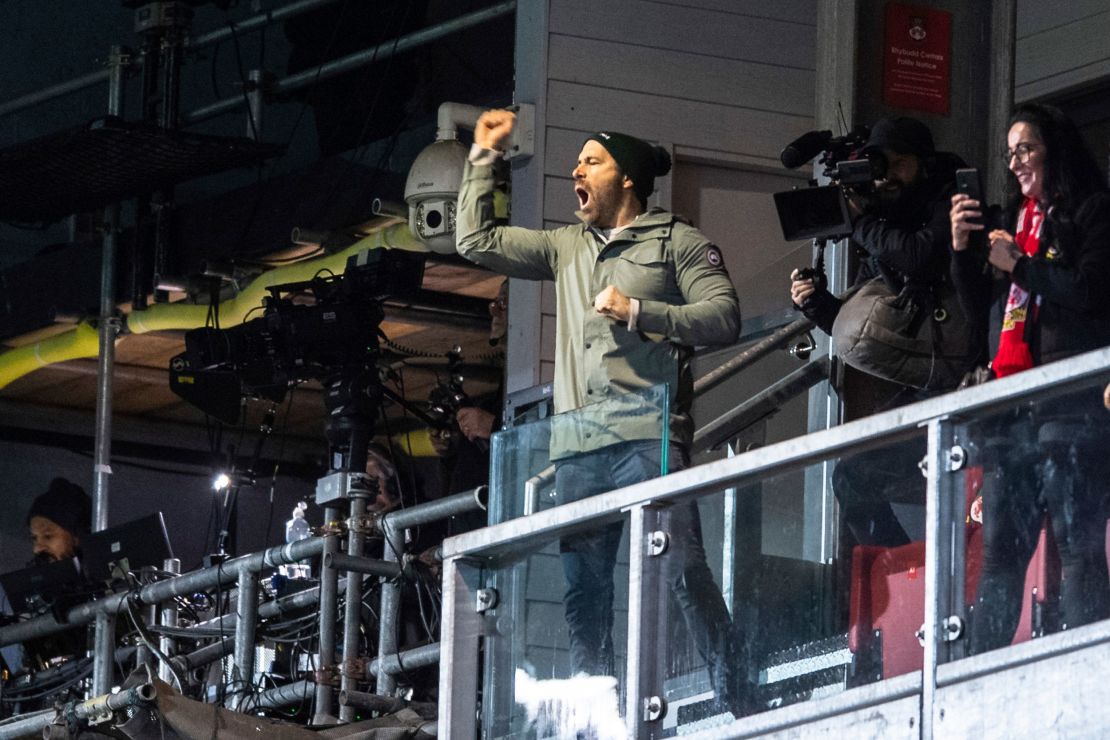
column 1022, row 151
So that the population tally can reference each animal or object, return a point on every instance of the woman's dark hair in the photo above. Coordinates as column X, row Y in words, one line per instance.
column 1070, row 171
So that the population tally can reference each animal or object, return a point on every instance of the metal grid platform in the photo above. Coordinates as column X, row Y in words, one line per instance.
column 92, row 165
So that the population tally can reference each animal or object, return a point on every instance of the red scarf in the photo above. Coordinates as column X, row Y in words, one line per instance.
column 1014, row 354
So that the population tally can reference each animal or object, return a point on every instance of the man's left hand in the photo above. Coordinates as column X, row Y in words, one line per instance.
column 613, row 303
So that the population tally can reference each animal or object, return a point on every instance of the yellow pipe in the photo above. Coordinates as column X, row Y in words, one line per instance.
column 235, row 310
column 82, row 342
column 417, row 443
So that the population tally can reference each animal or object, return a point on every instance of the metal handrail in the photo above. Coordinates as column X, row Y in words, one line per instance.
column 520, row 535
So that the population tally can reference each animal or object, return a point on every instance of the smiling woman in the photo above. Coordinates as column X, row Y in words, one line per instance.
column 1055, row 264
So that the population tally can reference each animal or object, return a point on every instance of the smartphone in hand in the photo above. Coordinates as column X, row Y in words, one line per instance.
column 970, row 184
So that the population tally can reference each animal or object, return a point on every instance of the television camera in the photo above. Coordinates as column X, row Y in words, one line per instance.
column 821, row 212
column 325, row 329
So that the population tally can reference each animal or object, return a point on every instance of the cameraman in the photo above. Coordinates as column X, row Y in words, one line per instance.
column 902, row 228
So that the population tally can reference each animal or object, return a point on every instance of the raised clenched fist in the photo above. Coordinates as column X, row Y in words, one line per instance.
column 493, row 129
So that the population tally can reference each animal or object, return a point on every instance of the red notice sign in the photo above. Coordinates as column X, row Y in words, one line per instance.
column 917, row 60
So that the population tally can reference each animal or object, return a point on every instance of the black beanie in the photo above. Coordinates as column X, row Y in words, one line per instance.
column 640, row 161
column 66, row 504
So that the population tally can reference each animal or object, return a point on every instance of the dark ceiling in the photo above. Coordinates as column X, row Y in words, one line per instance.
column 327, row 150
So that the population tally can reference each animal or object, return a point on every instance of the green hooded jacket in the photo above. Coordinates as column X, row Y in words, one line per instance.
column 686, row 300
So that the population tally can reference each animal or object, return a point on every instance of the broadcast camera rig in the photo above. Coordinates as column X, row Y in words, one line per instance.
column 820, row 212
column 324, row 329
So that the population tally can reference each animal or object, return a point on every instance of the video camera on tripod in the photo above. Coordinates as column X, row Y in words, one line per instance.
column 325, row 329
column 820, row 212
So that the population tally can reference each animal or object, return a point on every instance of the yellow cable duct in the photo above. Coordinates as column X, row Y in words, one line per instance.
column 234, row 311
column 82, row 342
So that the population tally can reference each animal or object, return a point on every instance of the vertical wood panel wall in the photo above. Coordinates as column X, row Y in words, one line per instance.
column 1060, row 46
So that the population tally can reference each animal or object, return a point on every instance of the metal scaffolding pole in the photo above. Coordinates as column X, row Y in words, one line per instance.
column 168, row 618
column 329, row 593
column 359, row 59
column 246, row 610
column 256, row 22
column 279, row 697
column 155, row 593
column 252, row 23
column 390, row 607
column 356, row 543
column 104, row 639
column 108, row 322
column 28, row 725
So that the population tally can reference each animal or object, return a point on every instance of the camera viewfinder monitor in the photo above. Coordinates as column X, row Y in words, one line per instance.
column 110, row 554
column 813, row 213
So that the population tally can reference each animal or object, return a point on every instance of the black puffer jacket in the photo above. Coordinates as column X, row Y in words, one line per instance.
column 1069, row 275
column 907, row 243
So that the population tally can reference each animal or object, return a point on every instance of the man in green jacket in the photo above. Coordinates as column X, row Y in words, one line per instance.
column 636, row 289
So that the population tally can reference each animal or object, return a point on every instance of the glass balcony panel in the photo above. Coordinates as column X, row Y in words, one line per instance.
column 777, row 606
column 1033, row 495
column 523, row 459
column 539, row 682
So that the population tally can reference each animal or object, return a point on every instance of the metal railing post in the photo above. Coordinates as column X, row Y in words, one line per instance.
column 329, row 607
column 647, row 543
column 394, row 542
column 352, row 613
column 246, row 611
column 104, row 648
column 459, row 636
column 168, row 618
column 944, row 537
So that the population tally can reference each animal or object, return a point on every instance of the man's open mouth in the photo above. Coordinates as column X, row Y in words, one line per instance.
column 583, row 197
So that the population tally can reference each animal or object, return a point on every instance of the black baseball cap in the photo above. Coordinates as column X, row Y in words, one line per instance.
column 903, row 134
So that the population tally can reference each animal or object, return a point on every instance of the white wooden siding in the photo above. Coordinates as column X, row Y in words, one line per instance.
column 1060, row 46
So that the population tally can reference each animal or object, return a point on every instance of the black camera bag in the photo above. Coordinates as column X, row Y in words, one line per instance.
column 919, row 337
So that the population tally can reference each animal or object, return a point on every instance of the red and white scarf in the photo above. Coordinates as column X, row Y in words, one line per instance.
column 1014, row 354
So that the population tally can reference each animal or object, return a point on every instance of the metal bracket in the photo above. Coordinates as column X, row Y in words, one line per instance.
column 336, row 528
column 957, row 457
column 522, row 142
column 354, row 668
column 804, row 347
column 658, row 541
column 367, row 525
column 923, row 466
column 952, row 629
column 99, row 718
column 339, row 486
column 655, row 708
column 486, row 599
column 326, row 676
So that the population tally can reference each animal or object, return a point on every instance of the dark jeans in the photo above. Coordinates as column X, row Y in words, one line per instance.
column 865, row 485
column 1032, row 468
column 588, row 561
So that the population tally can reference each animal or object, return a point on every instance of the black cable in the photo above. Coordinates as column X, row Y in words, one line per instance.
column 277, row 464
column 362, row 147
column 212, row 71
column 310, row 89
column 243, row 82
column 149, row 642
